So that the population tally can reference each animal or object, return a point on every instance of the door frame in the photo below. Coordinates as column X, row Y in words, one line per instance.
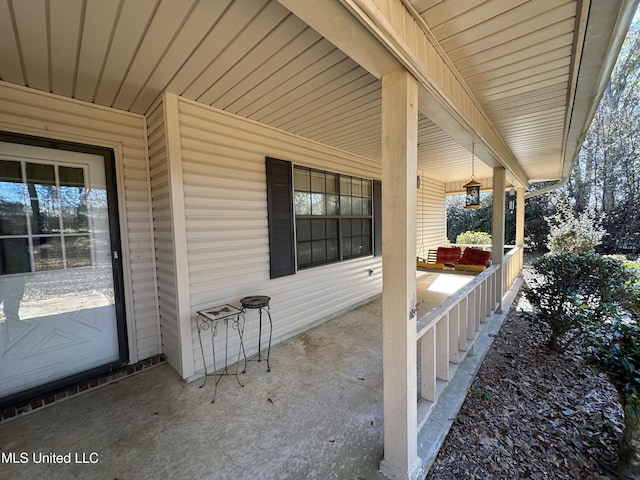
column 108, row 156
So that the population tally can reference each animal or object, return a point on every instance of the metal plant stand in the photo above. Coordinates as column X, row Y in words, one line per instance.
column 260, row 303
column 207, row 320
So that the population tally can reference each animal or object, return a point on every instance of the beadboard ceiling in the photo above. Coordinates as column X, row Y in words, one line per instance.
column 256, row 59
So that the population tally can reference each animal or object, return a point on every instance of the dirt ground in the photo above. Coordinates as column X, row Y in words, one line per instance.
column 532, row 414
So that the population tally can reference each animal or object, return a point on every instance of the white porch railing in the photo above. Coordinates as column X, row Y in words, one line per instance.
column 447, row 333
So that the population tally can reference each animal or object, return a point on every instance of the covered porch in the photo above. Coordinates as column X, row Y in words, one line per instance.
column 202, row 110
column 317, row 414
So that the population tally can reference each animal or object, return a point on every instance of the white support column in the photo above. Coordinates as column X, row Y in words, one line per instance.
column 520, row 217
column 399, row 344
column 497, row 225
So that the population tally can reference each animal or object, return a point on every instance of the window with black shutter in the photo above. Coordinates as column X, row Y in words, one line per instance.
column 336, row 217
column 280, row 211
column 377, row 218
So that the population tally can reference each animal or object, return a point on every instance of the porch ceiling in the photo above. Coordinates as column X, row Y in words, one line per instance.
column 256, row 59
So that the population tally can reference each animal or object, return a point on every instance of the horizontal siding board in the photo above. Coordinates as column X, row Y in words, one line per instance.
column 430, row 216
column 231, row 131
column 165, row 269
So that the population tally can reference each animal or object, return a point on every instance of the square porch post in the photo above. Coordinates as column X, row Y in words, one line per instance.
column 399, row 348
column 497, row 227
column 520, row 217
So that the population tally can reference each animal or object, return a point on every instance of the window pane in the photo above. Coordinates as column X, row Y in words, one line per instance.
column 332, row 228
column 345, row 185
column 317, row 204
column 14, row 256
column 73, row 200
column 366, row 226
column 74, row 216
column 366, row 245
column 45, row 208
column 317, row 182
column 47, row 253
column 303, row 203
column 303, row 230
column 78, row 251
column 43, row 198
column 356, row 245
column 346, row 247
column 345, row 205
column 331, row 183
column 319, row 253
column 356, row 206
column 13, row 198
column 356, row 187
column 41, row 174
column 333, row 205
column 356, row 227
column 301, row 180
column 318, row 230
column 304, row 254
column 332, row 249
column 10, row 171
column 346, row 228
column 71, row 177
column 366, row 206
column 366, row 188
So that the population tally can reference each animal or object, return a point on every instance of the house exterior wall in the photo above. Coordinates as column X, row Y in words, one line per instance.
column 163, row 231
column 41, row 114
column 457, row 188
column 222, row 159
column 431, row 216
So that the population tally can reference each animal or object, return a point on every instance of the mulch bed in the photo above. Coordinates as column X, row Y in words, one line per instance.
column 532, row 414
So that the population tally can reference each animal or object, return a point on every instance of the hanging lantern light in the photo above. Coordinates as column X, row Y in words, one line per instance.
column 473, row 187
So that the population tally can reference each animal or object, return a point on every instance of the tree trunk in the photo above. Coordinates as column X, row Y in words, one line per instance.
column 629, row 453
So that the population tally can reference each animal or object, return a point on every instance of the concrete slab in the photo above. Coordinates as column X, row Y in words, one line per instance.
column 316, row 415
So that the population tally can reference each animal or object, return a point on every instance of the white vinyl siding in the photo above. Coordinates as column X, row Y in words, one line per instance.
column 45, row 115
column 431, row 218
column 457, row 188
column 227, row 230
column 163, row 228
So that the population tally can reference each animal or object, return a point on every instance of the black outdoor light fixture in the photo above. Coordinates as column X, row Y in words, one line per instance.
column 473, row 187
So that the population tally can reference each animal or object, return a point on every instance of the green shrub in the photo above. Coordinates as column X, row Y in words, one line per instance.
column 571, row 292
column 614, row 349
column 474, row 238
column 571, row 232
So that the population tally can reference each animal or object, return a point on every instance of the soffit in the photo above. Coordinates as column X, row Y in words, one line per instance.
column 256, row 59
column 516, row 56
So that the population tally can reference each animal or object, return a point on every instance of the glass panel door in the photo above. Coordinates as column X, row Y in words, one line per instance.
column 57, row 283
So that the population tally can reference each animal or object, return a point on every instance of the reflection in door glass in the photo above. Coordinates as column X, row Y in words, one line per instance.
column 47, row 212
column 59, row 314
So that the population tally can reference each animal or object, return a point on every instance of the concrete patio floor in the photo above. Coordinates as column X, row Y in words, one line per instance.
column 316, row 415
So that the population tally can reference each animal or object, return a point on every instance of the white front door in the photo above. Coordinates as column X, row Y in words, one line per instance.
column 59, row 298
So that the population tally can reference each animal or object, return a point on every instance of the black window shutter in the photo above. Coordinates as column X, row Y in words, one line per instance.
column 280, row 209
column 377, row 218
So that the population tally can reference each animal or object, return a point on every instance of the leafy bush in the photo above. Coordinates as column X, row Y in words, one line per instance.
column 614, row 349
column 571, row 292
column 474, row 238
column 630, row 298
column 571, row 232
